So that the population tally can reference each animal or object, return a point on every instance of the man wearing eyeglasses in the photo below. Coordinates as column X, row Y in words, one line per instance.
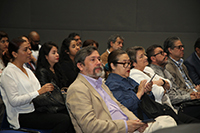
column 34, row 39
column 158, row 59
column 175, row 51
column 92, row 106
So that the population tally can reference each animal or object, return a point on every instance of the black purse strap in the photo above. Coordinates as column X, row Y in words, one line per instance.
column 139, row 110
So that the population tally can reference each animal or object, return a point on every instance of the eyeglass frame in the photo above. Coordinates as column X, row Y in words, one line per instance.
column 128, row 63
column 161, row 52
column 179, row 47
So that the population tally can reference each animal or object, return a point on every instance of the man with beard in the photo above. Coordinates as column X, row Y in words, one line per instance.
column 175, row 51
column 91, row 105
column 114, row 42
column 34, row 39
column 158, row 60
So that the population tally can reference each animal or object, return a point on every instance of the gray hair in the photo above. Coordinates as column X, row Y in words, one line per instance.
column 83, row 53
column 113, row 39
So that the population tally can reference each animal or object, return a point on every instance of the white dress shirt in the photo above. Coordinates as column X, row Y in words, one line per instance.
column 18, row 90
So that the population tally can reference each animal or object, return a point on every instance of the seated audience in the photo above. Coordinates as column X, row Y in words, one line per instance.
column 49, row 71
column 92, row 106
column 193, row 62
column 76, row 37
column 90, row 42
column 158, row 60
column 114, row 42
column 68, row 51
column 124, row 88
column 175, row 51
column 21, row 89
column 139, row 72
column 4, row 41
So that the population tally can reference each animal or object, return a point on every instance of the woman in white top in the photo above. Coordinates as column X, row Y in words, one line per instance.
column 19, row 87
column 160, row 85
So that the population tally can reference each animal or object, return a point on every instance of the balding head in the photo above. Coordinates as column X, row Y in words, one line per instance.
column 34, row 39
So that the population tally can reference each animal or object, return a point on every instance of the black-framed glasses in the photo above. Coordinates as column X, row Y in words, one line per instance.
column 125, row 64
column 161, row 52
column 179, row 47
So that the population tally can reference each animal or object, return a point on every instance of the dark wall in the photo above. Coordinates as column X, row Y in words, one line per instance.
column 140, row 22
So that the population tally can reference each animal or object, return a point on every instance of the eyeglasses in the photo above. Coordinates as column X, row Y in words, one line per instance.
column 4, row 41
column 161, row 52
column 179, row 47
column 125, row 64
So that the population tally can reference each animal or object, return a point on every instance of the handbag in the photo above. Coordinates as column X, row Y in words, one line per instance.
column 189, row 103
column 50, row 102
column 154, row 109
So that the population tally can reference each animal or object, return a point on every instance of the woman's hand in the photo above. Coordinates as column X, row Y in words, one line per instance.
column 148, row 87
column 46, row 88
column 141, row 88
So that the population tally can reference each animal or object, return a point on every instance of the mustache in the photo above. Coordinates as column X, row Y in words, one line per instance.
column 165, row 58
column 101, row 67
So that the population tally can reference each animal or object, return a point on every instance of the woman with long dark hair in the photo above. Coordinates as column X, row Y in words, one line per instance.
column 69, row 49
column 48, row 71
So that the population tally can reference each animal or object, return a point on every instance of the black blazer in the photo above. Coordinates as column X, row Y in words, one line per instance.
column 193, row 66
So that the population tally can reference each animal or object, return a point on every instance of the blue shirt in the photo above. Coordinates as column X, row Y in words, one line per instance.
column 123, row 91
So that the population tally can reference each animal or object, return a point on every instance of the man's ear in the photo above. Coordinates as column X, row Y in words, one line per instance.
column 170, row 50
column 14, row 54
column 197, row 50
column 80, row 66
column 111, row 44
column 152, row 58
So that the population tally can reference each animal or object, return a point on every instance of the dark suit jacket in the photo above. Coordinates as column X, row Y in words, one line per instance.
column 193, row 65
column 88, row 111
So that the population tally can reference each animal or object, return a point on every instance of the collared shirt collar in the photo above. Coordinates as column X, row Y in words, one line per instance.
column 178, row 63
column 108, row 51
column 96, row 83
column 124, row 81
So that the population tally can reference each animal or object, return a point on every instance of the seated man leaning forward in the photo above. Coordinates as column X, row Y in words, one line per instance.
column 92, row 106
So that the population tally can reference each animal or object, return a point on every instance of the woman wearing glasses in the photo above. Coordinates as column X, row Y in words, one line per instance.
column 123, row 87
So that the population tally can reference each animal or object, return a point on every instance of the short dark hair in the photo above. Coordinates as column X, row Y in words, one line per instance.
column 3, row 34
column 73, row 34
column 150, row 51
column 197, row 44
column 14, row 46
column 83, row 53
column 169, row 43
column 113, row 39
column 113, row 57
